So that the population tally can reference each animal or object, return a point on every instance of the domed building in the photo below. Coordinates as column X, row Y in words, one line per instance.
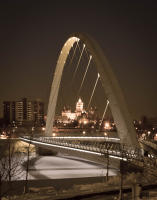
column 79, row 107
column 67, row 115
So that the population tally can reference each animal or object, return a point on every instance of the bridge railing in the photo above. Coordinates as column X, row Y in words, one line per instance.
column 102, row 147
column 106, row 149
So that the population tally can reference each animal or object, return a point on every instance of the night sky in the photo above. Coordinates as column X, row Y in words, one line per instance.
column 32, row 34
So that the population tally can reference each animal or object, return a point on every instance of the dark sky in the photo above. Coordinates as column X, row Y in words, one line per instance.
column 32, row 34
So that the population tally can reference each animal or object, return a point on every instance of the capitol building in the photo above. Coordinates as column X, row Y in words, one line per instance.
column 80, row 115
column 81, row 118
column 67, row 114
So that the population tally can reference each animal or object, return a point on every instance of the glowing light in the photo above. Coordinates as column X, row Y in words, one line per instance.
column 79, row 100
column 120, row 158
column 53, row 134
column 71, row 116
column 84, row 132
column 105, row 134
column 43, row 128
column 149, row 132
column 155, row 137
column 107, row 124
column 85, row 122
column 3, row 136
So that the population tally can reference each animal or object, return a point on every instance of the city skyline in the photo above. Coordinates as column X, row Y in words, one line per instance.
column 33, row 34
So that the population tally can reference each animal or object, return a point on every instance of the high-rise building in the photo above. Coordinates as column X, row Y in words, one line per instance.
column 29, row 113
column 6, row 111
column 24, row 111
column 19, row 112
column 9, row 111
column 24, row 108
column 13, row 113
column 38, row 112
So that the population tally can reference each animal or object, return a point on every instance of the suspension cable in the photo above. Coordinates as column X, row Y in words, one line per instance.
column 79, row 47
column 84, row 75
column 104, row 112
column 86, row 52
column 78, row 62
column 93, row 90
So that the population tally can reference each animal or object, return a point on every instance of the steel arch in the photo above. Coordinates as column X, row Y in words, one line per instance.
column 113, row 92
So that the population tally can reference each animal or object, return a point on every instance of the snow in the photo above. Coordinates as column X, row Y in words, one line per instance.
column 53, row 167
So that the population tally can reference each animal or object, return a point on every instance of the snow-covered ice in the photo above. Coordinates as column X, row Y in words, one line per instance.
column 54, row 167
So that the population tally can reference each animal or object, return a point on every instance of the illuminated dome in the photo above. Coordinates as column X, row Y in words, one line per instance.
column 79, row 107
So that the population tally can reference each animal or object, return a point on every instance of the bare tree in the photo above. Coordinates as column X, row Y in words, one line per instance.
column 10, row 170
column 121, row 174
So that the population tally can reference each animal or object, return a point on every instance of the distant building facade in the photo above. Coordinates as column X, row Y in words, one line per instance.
column 80, row 115
column 153, row 122
column 38, row 111
column 68, row 115
column 24, row 111
column 9, row 111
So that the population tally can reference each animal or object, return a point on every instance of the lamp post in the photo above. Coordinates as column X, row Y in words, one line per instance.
column 27, row 163
column 107, row 167
column 121, row 175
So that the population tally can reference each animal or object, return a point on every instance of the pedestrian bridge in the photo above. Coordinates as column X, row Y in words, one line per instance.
column 97, row 149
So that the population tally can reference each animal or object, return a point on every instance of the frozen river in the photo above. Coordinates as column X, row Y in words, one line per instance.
column 62, row 167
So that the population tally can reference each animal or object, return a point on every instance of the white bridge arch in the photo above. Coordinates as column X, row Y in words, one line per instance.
column 121, row 115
